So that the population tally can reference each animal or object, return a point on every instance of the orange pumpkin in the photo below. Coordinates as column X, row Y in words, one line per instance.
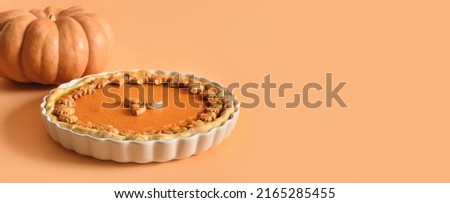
column 54, row 45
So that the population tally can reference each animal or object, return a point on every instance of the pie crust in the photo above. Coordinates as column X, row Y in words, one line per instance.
column 214, row 120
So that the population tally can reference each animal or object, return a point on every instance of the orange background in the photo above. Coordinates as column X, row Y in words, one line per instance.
column 395, row 56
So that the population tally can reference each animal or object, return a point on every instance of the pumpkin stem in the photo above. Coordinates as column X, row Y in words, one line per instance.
column 52, row 17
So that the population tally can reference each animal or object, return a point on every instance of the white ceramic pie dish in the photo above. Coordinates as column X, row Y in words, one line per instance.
column 131, row 150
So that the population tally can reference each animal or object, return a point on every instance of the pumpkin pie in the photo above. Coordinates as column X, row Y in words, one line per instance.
column 142, row 106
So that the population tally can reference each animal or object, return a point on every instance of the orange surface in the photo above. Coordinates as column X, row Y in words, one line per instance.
column 89, row 108
column 395, row 56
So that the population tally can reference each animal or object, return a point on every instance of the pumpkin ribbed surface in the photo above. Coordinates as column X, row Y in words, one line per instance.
column 53, row 45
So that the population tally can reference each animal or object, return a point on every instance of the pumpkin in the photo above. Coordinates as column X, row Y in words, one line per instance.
column 53, row 45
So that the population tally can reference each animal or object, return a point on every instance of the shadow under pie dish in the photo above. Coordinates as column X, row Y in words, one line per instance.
column 140, row 116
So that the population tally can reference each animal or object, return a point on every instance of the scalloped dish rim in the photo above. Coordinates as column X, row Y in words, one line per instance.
column 226, row 127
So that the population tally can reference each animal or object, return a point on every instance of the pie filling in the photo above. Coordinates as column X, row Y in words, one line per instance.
column 106, row 107
column 141, row 106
